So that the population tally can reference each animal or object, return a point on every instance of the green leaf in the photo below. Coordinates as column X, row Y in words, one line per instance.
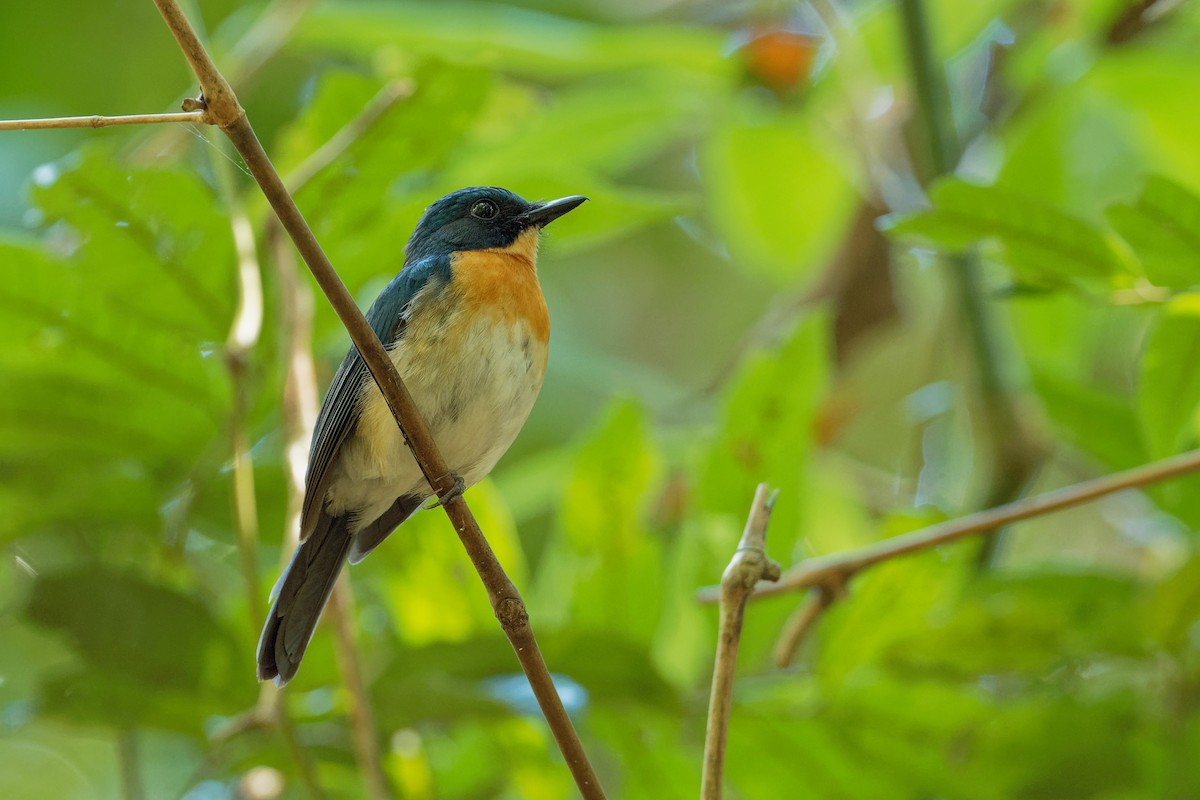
column 612, row 126
column 119, row 623
column 1163, row 228
column 1172, row 609
column 1099, row 422
column 777, row 196
column 130, row 635
column 1042, row 244
column 510, row 39
column 111, row 340
column 766, row 432
column 1030, row 624
column 1169, row 385
column 603, row 569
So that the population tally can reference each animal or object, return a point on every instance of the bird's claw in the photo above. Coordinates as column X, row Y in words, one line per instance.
column 453, row 493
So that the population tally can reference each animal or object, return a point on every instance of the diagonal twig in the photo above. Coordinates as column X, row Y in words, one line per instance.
column 830, row 570
column 223, row 109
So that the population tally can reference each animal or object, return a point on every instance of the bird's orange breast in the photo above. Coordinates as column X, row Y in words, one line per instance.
column 502, row 282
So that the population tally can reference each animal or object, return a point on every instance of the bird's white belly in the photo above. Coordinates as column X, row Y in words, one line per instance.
column 475, row 399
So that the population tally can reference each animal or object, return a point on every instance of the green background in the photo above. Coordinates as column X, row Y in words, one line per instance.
column 756, row 292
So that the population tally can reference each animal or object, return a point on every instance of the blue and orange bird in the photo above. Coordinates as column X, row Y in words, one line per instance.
column 467, row 327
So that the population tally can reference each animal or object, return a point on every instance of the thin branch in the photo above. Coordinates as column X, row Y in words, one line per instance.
column 749, row 565
column 127, row 761
column 841, row 567
column 243, row 336
column 100, row 121
column 801, row 622
column 225, row 111
column 274, row 704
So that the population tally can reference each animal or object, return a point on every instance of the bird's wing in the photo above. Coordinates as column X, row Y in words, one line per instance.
column 343, row 403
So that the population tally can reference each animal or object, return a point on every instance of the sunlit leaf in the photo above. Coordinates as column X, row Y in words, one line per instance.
column 1172, row 609
column 1098, row 422
column 431, row 589
column 1163, row 228
column 1169, row 385
column 112, row 344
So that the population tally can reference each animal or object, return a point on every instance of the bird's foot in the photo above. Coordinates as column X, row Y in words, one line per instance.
column 453, row 493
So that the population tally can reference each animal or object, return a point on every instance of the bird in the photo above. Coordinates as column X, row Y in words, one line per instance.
column 466, row 325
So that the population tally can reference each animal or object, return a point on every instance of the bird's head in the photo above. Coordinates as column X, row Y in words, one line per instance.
column 482, row 218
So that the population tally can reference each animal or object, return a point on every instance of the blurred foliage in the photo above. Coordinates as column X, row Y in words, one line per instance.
column 728, row 150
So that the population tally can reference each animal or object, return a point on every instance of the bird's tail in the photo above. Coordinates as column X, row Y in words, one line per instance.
column 301, row 594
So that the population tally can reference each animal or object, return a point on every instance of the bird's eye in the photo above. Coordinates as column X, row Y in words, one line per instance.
column 484, row 209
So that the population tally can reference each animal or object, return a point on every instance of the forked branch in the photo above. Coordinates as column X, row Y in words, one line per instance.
column 835, row 571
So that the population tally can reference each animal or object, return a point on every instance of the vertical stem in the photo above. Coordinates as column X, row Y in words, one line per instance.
column 287, row 728
column 937, row 117
column 929, row 81
column 362, row 723
column 127, row 761
column 245, row 508
column 243, row 335
column 299, row 415
column 720, row 700
column 1014, row 454
column 748, row 566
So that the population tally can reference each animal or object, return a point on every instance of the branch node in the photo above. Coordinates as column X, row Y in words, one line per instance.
column 512, row 614
column 830, row 590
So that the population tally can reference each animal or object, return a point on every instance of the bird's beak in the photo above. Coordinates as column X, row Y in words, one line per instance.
column 544, row 213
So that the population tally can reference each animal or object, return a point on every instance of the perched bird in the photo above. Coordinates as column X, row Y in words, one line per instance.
column 466, row 325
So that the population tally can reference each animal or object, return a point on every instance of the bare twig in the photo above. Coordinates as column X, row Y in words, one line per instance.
column 224, row 111
column 802, row 621
column 841, row 567
column 276, row 706
column 243, row 336
column 99, row 121
column 127, row 761
column 749, row 565
column 242, row 64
